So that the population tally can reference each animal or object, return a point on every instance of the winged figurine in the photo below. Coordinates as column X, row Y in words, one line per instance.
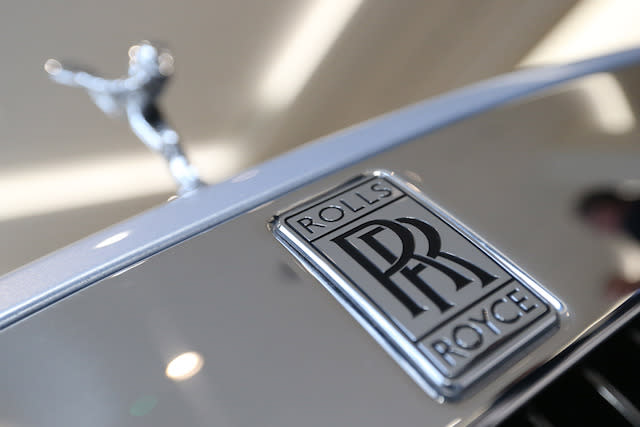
column 135, row 97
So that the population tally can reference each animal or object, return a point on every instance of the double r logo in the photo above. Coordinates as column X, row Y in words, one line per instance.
column 405, row 229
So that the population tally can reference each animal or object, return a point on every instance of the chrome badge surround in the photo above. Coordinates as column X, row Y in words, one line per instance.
column 481, row 311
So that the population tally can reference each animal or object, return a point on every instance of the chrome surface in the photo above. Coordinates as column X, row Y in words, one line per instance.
column 136, row 97
column 275, row 347
column 371, row 243
column 55, row 276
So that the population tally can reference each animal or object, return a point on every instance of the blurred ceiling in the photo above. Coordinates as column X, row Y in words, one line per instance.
column 253, row 79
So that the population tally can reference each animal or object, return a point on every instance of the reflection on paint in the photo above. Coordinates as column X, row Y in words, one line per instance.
column 113, row 239
column 591, row 28
column 184, row 366
column 304, row 48
column 609, row 105
column 143, row 406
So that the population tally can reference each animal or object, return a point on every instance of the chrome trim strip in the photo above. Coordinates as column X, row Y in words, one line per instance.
column 55, row 276
column 612, row 395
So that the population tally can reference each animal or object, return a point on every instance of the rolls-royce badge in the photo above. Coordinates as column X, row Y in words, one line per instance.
column 440, row 300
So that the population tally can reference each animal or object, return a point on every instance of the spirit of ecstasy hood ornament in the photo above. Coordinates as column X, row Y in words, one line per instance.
column 135, row 96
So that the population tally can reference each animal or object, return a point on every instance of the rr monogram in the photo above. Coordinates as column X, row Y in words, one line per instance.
column 405, row 228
